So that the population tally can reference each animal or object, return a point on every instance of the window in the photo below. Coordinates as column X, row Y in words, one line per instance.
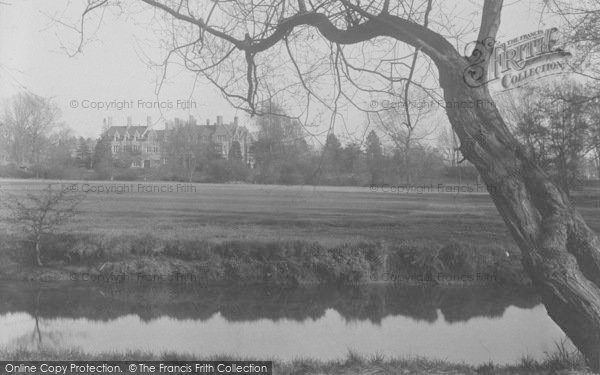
column 115, row 149
column 136, row 148
column 155, row 148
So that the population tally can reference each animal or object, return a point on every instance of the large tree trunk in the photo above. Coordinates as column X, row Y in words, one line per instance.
column 560, row 252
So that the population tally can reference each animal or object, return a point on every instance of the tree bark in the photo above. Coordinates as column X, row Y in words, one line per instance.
column 560, row 252
column 38, row 252
column 407, row 166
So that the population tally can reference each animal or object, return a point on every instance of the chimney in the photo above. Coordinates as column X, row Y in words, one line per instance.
column 207, row 122
column 128, row 120
column 192, row 120
column 166, row 126
column 235, row 121
column 109, row 121
column 148, row 121
column 219, row 120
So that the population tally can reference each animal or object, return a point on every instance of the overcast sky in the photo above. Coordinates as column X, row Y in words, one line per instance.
column 114, row 66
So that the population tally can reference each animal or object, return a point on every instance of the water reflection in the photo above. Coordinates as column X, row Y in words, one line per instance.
column 459, row 324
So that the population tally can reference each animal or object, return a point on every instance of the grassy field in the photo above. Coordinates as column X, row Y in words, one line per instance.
column 331, row 217
column 325, row 214
column 558, row 362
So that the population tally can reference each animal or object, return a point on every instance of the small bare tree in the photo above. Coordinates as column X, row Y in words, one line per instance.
column 41, row 213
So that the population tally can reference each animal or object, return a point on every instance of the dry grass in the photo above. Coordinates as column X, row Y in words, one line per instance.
column 353, row 364
column 325, row 214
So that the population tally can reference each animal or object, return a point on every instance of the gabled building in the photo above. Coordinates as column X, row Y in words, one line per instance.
column 141, row 142
column 146, row 146
column 226, row 137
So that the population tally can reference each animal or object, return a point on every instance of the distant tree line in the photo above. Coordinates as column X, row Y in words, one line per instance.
column 281, row 154
column 557, row 125
column 35, row 144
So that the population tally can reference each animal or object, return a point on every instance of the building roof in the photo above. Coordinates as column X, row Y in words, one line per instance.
column 229, row 130
column 206, row 130
column 129, row 130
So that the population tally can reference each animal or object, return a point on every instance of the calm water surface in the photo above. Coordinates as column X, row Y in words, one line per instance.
column 458, row 324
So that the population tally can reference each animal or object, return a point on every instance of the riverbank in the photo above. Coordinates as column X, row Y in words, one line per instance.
column 557, row 362
column 282, row 235
column 141, row 258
